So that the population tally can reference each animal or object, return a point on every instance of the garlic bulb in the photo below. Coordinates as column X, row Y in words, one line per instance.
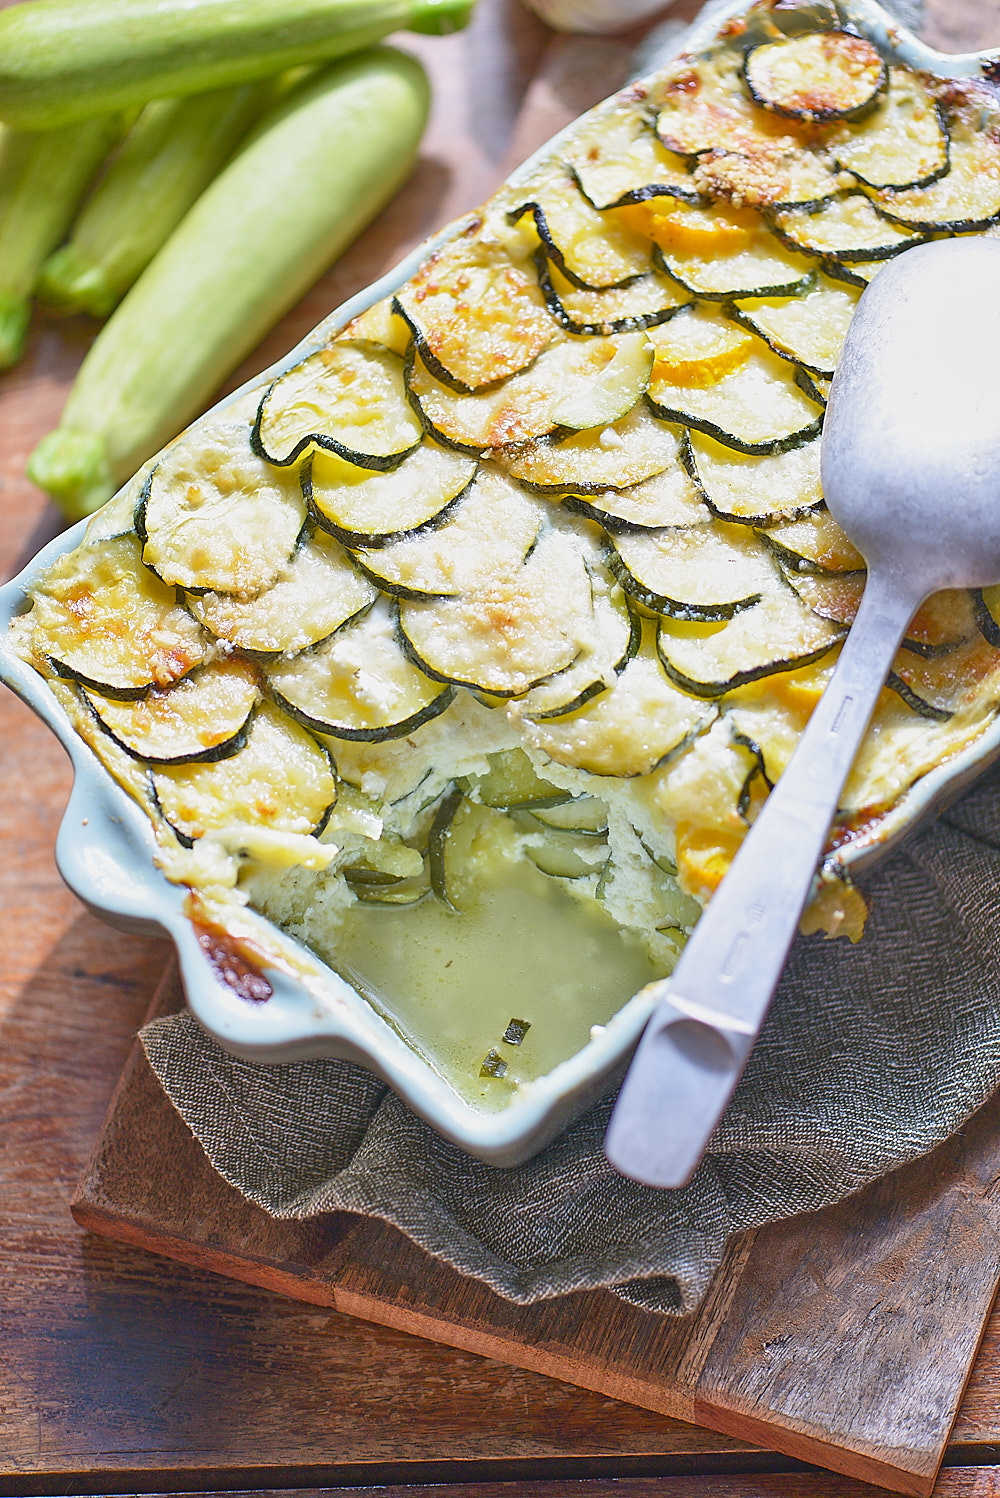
column 595, row 15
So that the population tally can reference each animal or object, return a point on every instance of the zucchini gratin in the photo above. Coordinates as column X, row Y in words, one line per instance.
column 466, row 649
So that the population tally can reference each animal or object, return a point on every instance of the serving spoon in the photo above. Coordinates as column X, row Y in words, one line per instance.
column 911, row 471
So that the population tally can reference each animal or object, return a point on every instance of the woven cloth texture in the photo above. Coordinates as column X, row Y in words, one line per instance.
column 871, row 1055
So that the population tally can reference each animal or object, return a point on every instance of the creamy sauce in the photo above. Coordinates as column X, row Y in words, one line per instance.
column 526, row 950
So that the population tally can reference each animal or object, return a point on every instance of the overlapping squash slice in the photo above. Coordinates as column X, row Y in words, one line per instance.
column 103, row 619
column 348, row 399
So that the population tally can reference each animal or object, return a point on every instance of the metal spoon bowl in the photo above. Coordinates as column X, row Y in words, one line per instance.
column 911, row 471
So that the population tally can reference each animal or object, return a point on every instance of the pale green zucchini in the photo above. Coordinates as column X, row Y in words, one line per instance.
column 314, row 172
column 43, row 176
column 166, row 161
column 61, row 60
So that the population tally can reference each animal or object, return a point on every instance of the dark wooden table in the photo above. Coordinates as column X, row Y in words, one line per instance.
column 124, row 1373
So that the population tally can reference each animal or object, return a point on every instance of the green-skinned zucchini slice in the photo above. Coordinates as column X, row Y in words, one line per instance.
column 577, row 381
column 756, row 491
column 103, row 619
column 214, row 517
column 942, row 685
column 849, row 230
column 348, row 398
column 476, row 317
column 371, row 509
column 566, row 855
column 762, row 268
column 511, row 782
column 281, row 780
column 817, row 76
column 705, row 572
column 319, row 590
column 592, row 250
column 813, row 543
column 584, row 814
column 757, row 408
column 626, row 731
column 861, row 274
column 612, row 639
column 778, row 634
column 706, row 105
column 616, row 455
column 201, row 718
column 668, row 498
column 767, row 177
column 964, row 198
column 809, row 330
column 942, row 622
column 358, row 684
column 902, row 143
column 509, row 631
column 492, row 530
column 619, row 160
column 649, row 299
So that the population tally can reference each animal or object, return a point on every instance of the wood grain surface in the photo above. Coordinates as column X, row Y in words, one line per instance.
column 123, row 1372
column 843, row 1337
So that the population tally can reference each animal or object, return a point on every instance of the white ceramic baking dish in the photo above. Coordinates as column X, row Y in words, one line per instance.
column 105, row 849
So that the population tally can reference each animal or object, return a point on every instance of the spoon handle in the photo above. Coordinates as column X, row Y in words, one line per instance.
column 710, row 1009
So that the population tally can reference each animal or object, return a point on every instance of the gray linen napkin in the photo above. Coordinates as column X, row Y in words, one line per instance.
column 871, row 1055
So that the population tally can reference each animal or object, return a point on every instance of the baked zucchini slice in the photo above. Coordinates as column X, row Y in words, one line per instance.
column 629, row 730
column 809, row 329
column 718, row 252
column 358, row 684
column 281, row 780
column 511, row 783
column 587, row 815
column 778, row 634
column 707, row 104
column 213, row 517
column 757, row 491
column 201, row 718
column 618, row 160
column 668, row 498
column 612, row 639
column 705, row 572
column 372, row 509
column 318, row 592
column 616, row 456
column 944, row 621
column 510, row 630
column 965, row 197
column 576, row 382
column 492, row 530
column 104, row 620
column 766, row 176
column 987, row 608
column 348, row 398
column 592, row 250
column 649, row 299
column 566, row 855
column 817, row 76
column 941, row 685
column 475, row 316
column 902, row 143
column 813, row 543
column 757, row 408
column 848, row 230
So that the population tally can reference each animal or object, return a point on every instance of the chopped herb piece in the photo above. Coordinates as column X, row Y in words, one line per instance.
column 493, row 1065
column 516, row 1031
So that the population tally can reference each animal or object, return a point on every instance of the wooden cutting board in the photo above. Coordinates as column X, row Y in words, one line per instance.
column 842, row 1337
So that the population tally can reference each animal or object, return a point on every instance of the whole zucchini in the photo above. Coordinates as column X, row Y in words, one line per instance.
column 43, row 176
column 315, row 171
column 166, row 161
column 61, row 60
